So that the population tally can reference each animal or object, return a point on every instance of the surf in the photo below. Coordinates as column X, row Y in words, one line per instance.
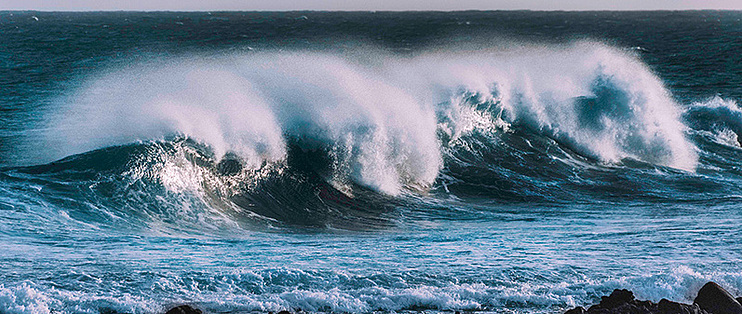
column 386, row 111
column 325, row 139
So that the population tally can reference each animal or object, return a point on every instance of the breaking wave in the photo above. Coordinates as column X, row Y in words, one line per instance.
column 322, row 139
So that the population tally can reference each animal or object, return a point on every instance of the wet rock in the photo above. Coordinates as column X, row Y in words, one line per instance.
column 668, row 307
column 714, row 299
column 622, row 302
column 617, row 298
column 577, row 310
column 184, row 309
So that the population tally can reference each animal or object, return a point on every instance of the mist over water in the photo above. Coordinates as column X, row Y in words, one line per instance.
column 480, row 161
column 381, row 123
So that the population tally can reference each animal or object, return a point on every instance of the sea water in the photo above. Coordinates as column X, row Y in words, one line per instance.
column 356, row 162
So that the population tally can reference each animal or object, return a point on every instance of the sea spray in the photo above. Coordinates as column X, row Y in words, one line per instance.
column 597, row 100
column 381, row 123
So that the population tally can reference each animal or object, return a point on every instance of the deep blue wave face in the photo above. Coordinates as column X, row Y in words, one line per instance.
column 360, row 162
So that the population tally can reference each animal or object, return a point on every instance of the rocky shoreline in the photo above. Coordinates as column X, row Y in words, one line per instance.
column 187, row 309
column 711, row 299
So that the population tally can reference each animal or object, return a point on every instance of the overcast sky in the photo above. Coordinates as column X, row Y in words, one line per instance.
column 446, row 5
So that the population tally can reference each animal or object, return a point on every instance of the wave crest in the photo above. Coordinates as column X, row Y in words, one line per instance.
column 383, row 123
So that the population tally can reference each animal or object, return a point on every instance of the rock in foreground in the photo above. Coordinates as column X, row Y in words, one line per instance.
column 714, row 299
column 184, row 309
column 711, row 299
column 187, row 309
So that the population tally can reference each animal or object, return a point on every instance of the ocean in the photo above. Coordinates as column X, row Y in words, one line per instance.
column 367, row 162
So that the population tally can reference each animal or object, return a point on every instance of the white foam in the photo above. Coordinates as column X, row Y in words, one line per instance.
column 226, row 292
column 380, row 118
column 628, row 113
column 23, row 299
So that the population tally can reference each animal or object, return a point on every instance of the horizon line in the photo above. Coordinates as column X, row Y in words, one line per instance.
column 374, row 11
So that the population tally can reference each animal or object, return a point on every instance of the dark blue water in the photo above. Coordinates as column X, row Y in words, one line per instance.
column 507, row 162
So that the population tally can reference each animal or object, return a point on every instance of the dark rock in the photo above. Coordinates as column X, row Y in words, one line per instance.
column 617, row 298
column 623, row 302
column 577, row 310
column 284, row 312
column 107, row 310
column 668, row 307
column 184, row 309
column 714, row 299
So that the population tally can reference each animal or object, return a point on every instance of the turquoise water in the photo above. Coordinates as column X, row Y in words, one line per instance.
column 506, row 162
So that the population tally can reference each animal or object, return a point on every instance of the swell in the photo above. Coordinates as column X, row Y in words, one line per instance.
column 382, row 114
column 322, row 140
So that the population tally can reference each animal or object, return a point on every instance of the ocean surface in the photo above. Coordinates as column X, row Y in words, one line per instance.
column 426, row 162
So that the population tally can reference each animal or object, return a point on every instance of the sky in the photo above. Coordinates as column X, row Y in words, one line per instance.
column 363, row 5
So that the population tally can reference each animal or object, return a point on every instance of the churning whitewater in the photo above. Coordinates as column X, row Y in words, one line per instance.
column 522, row 162
column 385, row 123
